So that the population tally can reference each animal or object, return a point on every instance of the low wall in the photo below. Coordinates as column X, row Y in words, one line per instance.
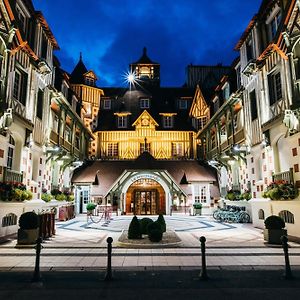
column 241, row 203
column 10, row 213
column 272, row 207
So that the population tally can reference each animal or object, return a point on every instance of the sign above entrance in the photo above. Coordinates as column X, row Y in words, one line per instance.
column 145, row 176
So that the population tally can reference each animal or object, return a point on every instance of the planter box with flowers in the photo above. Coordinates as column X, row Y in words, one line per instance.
column 14, row 191
column 281, row 190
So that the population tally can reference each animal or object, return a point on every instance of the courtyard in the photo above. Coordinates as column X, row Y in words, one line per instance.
column 81, row 245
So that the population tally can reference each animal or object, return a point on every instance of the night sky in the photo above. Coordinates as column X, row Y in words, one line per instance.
column 112, row 33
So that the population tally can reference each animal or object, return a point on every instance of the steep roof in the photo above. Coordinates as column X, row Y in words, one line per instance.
column 144, row 59
column 77, row 76
column 162, row 100
column 108, row 172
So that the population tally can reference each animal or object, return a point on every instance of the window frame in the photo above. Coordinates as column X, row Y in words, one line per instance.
column 105, row 102
column 168, row 121
column 275, row 94
column 181, row 102
column 177, row 149
column 144, row 103
column 122, row 121
column 113, row 150
column 253, row 105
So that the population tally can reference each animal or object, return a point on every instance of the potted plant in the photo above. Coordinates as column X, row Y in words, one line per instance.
column 274, row 230
column 90, row 208
column 280, row 190
column 233, row 195
column 29, row 228
column 197, row 209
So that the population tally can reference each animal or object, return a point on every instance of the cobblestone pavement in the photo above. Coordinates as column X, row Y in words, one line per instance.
column 80, row 245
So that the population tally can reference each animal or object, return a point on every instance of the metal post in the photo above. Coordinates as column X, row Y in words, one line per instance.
column 108, row 275
column 36, row 275
column 288, row 272
column 203, row 273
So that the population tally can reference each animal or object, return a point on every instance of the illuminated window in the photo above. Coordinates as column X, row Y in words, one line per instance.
column 122, row 121
column 168, row 121
column 113, row 150
column 177, row 149
column 144, row 147
column 144, row 103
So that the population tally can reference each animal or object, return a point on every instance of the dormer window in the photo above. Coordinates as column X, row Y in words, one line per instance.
column 144, row 103
column 89, row 81
column 122, row 121
column 106, row 104
column 182, row 104
column 168, row 121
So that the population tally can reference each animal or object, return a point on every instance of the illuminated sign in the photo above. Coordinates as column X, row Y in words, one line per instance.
column 145, row 176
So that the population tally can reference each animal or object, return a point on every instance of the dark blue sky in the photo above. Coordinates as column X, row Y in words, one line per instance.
column 112, row 33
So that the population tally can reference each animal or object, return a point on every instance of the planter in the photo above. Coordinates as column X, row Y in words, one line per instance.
column 27, row 236
column 272, row 236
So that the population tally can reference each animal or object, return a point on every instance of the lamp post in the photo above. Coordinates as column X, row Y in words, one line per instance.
column 184, row 181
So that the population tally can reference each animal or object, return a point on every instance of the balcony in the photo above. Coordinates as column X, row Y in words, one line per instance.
column 287, row 176
column 12, row 176
column 250, row 68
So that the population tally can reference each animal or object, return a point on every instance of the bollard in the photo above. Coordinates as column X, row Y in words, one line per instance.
column 108, row 275
column 203, row 273
column 36, row 275
column 288, row 272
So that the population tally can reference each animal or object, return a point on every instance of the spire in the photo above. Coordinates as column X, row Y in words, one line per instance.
column 144, row 51
column 80, row 56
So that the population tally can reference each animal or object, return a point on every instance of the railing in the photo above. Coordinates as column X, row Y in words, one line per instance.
column 287, row 176
column 10, row 175
column 239, row 136
column 54, row 137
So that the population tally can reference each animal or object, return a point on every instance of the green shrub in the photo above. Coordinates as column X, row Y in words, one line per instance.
column 47, row 197
column 233, row 195
column 144, row 225
column 134, row 230
column 155, row 233
column 274, row 222
column 197, row 206
column 29, row 220
column 90, row 206
column 162, row 222
column 246, row 195
column 60, row 197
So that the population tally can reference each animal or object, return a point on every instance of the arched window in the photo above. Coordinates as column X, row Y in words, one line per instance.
column 261, row 214
column 9, row 220
column 287, row 216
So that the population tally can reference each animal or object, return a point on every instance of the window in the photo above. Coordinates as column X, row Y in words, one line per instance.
column 68, row 134
column 22, row 19
column 200, row 123
column 20, row 86
column 89, row 81
column 253, row 105
column 44, row 49
column 144, row 103
column 40, row 104
column 297, row 68
column 168, row 121
column 55, row 123
column 275, row 87
column 113, row 150
column 287, row 216
column 177, row 149
column 182, row 104
column 64, row 90
column 10, row 152
column 249, row 50
column 200, row 193
column 261, row 214
column 226, row 92
column 273, row 26
column 107, row 104
column 144, row 147
column 77, row 141
column 122, row 121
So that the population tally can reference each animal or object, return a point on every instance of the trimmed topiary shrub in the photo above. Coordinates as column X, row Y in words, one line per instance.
column 90, row 206
column 144, row 225
column 162, row 222
column 155, row 233
column 274, row 222
column 29, row 220
column 134, row 230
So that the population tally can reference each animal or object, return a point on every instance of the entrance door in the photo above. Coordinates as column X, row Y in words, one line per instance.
column 145, row 203
column 84, row 197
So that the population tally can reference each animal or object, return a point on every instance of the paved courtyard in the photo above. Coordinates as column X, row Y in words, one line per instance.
column 79, row 244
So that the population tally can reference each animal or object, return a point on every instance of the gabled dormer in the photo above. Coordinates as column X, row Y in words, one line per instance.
column 145, row 120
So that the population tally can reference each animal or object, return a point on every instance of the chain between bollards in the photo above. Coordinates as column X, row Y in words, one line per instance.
column 203, row 273
column 288, row 272
column 36, row 275
column 108, row 275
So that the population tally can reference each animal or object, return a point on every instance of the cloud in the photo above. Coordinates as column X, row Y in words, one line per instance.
column 111, row 34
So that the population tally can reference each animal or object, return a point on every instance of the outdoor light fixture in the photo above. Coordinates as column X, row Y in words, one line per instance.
column 130, row 77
